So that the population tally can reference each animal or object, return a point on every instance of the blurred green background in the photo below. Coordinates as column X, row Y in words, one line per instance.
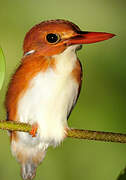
column 102, row 102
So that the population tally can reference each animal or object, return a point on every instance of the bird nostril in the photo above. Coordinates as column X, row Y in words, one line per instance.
column 82, row 32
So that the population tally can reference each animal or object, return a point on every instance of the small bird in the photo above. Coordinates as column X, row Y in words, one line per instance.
column 45, row 88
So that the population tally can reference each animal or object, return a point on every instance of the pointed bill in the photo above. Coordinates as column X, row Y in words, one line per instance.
column 84, row 37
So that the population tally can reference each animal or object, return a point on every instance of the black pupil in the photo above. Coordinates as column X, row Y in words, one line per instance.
column 52, row 38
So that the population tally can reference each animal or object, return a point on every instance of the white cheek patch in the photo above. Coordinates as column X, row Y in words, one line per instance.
column 28, row 53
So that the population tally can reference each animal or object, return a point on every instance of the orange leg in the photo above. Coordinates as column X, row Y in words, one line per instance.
column 34, row 130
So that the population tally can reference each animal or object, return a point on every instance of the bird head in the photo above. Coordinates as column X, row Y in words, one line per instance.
column 53, row 37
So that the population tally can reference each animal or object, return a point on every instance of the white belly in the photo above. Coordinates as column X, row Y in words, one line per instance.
column 47, row 101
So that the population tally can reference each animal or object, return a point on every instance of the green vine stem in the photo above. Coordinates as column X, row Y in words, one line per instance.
column 73, row 133
column 97, row 135
column 15, row 126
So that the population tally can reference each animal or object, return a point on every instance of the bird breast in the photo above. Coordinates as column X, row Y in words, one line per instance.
column 48, row 101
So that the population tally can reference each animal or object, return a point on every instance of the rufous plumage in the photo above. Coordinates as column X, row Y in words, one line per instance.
column 45, row 88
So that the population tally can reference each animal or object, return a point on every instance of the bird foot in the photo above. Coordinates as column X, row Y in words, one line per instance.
column 34, row 130
column 66, row 131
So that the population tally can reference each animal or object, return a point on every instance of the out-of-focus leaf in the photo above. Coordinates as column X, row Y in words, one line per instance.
column 2, row 67
column 122, row 175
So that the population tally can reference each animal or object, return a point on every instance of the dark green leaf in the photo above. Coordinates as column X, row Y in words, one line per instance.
column 122, row 175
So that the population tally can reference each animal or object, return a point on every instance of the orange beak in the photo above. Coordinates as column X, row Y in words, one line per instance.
column 84, row 37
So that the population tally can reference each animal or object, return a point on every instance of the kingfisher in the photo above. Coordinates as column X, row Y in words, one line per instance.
column 45, row 88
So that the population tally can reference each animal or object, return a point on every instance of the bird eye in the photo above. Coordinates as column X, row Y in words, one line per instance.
column 53, row 38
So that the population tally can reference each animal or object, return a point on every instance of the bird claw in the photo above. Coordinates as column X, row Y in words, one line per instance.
column 66, row 132
column 34, row 130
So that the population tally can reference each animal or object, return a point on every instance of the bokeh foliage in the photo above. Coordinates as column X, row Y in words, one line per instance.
column 122, row 175
column 102, row 101
column 2, row 68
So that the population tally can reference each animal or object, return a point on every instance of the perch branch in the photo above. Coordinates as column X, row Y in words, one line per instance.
column 73, row 133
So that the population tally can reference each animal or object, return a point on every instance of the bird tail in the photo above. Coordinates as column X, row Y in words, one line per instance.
column 28, row 170
column 29, row 157
column 29, row 166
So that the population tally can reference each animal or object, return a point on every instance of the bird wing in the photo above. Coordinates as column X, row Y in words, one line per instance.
column 77, row 74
